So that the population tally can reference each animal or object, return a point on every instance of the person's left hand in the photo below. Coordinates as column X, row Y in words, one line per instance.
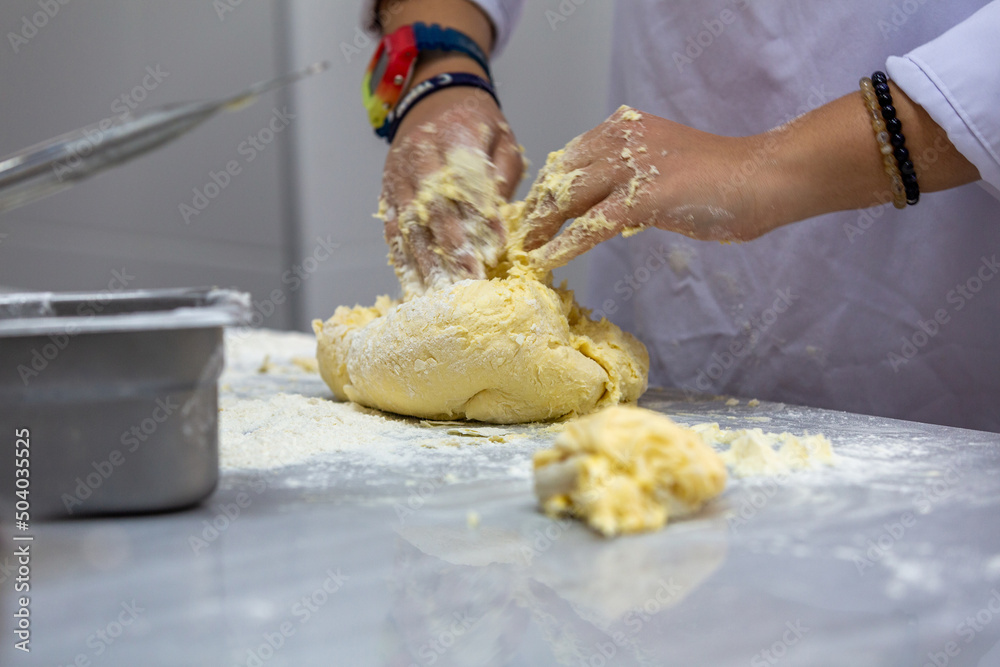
column 636, row 171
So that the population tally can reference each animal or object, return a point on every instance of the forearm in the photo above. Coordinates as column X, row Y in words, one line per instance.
column 828, row 160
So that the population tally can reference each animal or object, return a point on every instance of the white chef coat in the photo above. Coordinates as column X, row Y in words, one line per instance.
column 883, row 312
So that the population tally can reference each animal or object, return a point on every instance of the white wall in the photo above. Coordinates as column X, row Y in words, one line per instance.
column 552, row 85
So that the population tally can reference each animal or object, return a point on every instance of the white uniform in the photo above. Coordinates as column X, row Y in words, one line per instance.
column 884, row 312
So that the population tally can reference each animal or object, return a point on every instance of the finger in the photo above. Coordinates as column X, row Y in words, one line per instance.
column 393, row 238
column 465, row 223
column 418, row 243
column 407, row 165
column 489, row 234
column 400, row 257
column 485, row 235
column 597, row 225
column 456, row 224
column 508, row 158
column 559, row 195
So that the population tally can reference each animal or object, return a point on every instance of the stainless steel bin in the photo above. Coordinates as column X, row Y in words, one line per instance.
column 118, row 395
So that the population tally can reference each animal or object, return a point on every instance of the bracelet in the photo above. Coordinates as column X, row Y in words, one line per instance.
column 880, row 83
column 425, row 88
column 435, row 38
column 889, row 163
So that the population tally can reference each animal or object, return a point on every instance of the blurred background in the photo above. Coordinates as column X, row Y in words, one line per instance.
column 309, row 164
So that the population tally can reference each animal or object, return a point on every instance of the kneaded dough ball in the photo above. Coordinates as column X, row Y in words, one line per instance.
column 503, row 350
column 627, row 469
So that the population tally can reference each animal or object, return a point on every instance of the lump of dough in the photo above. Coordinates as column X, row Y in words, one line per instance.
column 627, row 469
column 503, row 350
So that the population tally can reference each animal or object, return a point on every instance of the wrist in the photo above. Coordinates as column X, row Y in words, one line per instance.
column 416, row 60
column 462, row 15
column 435, row 108
column 826, row 161
column 766, row 179
column 433, row 63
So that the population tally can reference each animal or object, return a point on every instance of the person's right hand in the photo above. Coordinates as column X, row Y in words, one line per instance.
column 443, row 225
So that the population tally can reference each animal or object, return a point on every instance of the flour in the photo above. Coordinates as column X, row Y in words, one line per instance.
column 752, row 451
column 275, row 411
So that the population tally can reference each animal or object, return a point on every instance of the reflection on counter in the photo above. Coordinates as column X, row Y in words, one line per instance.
column 469, row 596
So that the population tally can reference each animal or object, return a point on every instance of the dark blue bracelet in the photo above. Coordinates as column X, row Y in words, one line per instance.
column 880, row 82
column 425, row 88
column 435, row 38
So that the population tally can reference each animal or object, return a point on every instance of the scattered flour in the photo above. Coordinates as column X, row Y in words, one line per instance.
column 752, row 451
column 275, row 411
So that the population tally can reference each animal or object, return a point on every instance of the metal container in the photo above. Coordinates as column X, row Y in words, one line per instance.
column 117, row 396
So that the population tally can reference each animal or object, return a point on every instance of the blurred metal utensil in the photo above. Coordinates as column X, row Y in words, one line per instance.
column 46, row 168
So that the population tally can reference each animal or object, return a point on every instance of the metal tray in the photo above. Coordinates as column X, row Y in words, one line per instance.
column 118, row 395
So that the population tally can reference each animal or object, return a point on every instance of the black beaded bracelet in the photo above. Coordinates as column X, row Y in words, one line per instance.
column 895, row 129
column 425, row 88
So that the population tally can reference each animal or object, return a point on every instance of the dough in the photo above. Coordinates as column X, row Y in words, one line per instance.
column 627, row 469
column 505, row 350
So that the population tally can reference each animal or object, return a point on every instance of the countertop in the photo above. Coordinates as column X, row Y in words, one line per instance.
column 435, row 554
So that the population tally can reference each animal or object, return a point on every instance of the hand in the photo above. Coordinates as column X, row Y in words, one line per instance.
column 452, row 163
column 636, row 171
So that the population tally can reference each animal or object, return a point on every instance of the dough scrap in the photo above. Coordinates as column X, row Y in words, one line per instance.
column 503, row 350
column 627, row 469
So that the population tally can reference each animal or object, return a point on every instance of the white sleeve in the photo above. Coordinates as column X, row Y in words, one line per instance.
column 956, row 78
column 503, row 13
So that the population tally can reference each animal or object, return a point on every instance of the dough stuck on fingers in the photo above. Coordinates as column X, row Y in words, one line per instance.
column 626, row 470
